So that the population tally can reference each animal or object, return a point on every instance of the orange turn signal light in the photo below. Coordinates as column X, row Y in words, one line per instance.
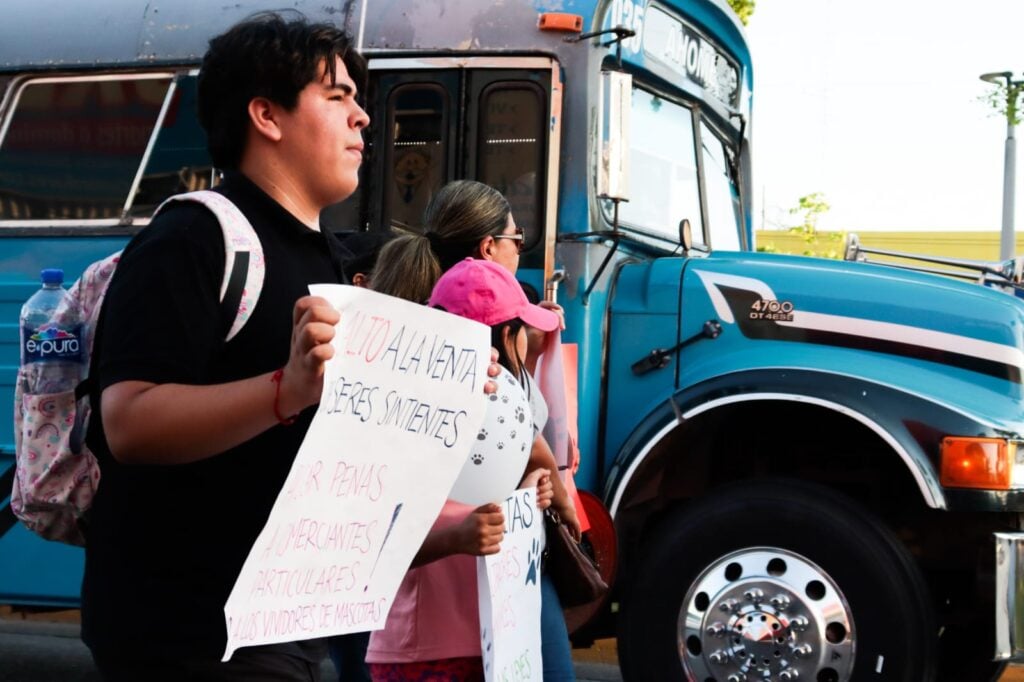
column 985, row 463
column 560, row 21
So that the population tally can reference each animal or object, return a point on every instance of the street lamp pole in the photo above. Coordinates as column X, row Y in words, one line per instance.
column 1007, row 240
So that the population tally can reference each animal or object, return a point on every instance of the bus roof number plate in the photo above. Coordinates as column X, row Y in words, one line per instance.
column 670, row 42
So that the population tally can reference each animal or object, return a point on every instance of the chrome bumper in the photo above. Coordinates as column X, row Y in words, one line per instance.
column 1009, row 596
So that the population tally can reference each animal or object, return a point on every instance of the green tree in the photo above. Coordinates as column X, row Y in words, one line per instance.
column 1006, row 98
column 743, row 9
column 810, row 208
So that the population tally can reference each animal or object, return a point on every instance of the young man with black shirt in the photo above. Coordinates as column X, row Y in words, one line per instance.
column 195, row 435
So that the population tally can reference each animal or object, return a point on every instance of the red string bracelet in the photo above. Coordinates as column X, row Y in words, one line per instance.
column 276, row 378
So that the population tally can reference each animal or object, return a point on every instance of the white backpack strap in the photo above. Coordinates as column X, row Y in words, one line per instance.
column 243, row 253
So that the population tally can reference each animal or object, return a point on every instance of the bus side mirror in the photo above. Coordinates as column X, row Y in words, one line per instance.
column 851, row 249
column 613, row 124
column 685, row 235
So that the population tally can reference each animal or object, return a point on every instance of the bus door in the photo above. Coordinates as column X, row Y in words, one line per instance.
column 682, row 167
column 435, row 120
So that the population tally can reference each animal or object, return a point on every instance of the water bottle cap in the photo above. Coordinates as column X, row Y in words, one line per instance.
column 52, row 276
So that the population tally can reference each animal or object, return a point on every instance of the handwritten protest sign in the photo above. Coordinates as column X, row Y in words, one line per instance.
column 402, row 402
column 508, row 584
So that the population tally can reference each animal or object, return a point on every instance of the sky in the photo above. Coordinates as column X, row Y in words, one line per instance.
column 874, row 103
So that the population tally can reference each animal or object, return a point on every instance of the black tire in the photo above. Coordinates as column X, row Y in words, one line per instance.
column 892, row 633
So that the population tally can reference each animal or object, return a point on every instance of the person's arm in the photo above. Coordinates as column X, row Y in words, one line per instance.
column 541, row 457
column 541, row 479
column 479, row 534
column 535, row 338
column 148, row 423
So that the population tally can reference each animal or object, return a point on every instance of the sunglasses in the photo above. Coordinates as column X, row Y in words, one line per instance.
column 518, row 238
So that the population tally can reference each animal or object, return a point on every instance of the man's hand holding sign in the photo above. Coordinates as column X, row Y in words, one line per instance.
column 313, row 329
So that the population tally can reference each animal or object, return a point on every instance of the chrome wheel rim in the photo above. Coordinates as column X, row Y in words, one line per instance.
column 765, row 613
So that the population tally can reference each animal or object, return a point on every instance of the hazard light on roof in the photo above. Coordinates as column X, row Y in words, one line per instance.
column 560, row 21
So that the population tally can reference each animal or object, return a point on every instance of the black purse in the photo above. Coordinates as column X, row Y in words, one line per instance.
column 573, row 572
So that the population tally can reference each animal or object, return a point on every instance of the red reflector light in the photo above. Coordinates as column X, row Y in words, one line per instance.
column 985, row 463
column 560, row 21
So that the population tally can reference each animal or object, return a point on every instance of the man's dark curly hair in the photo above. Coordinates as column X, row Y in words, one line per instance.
column 264, row 56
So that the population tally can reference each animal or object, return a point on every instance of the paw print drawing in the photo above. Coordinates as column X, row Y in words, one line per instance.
column 533, row 563
column 482, row 435
column 504, row 399
column 477, row 458
column 501, row 420
column 485, row 646
column 501, row 446
column 512, row 434
column 520, row 415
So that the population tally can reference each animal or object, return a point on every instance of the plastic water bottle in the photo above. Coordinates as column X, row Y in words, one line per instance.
column 52, row 344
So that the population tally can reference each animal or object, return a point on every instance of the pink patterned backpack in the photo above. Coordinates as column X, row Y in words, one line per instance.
column 56, row 475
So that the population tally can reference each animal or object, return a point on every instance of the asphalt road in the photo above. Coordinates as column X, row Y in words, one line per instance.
column 33, row 651
column 43, row 652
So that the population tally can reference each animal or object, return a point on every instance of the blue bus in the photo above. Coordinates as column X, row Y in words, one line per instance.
column 811, row 466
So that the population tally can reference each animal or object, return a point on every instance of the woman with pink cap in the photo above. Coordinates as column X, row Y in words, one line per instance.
column 433, row 629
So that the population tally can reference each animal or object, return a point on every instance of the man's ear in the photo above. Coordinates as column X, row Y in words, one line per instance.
column 361, row 280
column 263, row 114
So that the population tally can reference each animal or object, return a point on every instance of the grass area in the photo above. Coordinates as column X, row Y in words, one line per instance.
column 982, row 245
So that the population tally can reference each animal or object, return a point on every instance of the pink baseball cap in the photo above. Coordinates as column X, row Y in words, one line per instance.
column 484, row 291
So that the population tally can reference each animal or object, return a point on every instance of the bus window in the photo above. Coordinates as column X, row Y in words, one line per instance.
column 417, row 151
column 722, row 194
column 511, row 151
column 73, row 146
column 179, row 161
column 663, row 183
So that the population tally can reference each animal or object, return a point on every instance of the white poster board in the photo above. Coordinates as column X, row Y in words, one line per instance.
column 402, row 403
column 508, row 585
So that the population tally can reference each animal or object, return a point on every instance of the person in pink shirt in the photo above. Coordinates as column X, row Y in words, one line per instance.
column 433, row 628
